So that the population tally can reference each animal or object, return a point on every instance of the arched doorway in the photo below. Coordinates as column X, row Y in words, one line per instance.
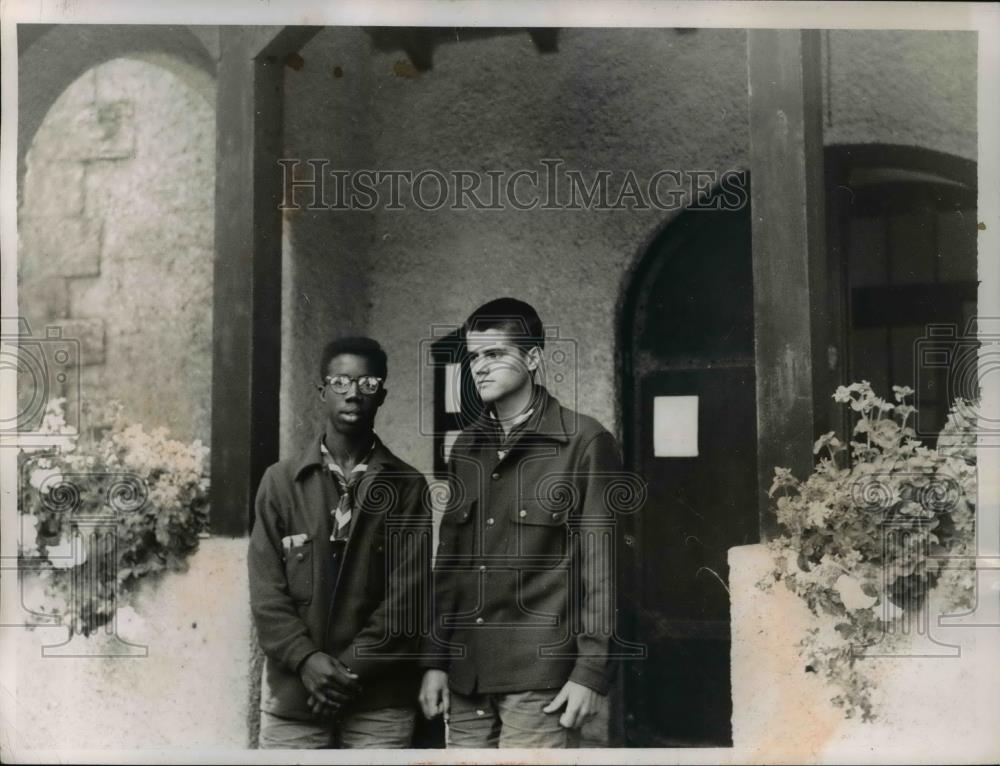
column 689, row 416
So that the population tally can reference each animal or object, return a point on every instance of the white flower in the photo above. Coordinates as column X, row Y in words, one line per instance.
column 905, row 410
column 851, row 595
column 817, row 513
column 882, row 404
column 829, row 439
column 842, row 395
column 40, row 476
column 885, row 433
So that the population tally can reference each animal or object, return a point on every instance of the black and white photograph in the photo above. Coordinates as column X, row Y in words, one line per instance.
column 446, row 378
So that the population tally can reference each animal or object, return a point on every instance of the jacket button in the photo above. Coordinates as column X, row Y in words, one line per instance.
column 522, row 514
column 300, row 556
column 490, row 522
column 482, row 567
column 496, row 475
column 479, row 621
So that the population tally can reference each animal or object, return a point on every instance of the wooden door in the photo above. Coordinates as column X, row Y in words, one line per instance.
column 690, row 430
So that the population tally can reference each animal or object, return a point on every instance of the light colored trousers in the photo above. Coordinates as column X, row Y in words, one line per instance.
column 390, row 727
column 507, row 720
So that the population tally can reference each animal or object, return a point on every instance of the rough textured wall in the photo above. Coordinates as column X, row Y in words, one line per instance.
column 782, row 714
column 189, row 691
column 615, row 99
column 909, row 88
column 643, row 100
column 325, row 253
column 640, row 100
column 116, row 233
column 116, row 223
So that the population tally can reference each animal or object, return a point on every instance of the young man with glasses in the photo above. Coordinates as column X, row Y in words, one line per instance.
column 339, row 555
column 522, row 611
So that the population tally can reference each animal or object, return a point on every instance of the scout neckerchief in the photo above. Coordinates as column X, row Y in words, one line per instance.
column 504, row 441
column 346, row 486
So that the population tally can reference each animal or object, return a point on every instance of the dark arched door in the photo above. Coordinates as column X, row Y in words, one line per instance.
column 690, row 429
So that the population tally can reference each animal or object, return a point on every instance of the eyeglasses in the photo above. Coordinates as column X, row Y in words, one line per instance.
column 341, row 384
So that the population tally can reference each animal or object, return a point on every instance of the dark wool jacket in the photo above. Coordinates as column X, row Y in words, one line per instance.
column 523, row 576
column 361, row 609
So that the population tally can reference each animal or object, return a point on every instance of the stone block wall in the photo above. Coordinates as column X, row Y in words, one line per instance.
column 116, row 234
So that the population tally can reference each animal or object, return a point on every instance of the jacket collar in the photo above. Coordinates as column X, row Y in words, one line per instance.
column 546, row 422
column 551, row 423
column 311, row 457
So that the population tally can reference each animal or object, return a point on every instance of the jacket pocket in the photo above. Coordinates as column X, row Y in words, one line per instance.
column 529, row 510
column 299, row 572
column 538, row 531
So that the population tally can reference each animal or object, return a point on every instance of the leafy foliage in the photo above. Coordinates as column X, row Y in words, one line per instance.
column 107, row 508
column 863, row 541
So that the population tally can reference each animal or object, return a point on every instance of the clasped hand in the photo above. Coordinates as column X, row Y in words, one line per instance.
column 330, row 683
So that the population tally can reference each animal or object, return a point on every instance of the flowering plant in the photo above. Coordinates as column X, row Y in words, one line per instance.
column 864, row 540
column 103, row 509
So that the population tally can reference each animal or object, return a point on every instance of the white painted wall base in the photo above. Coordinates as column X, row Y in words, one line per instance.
column 932, row 709
column 190, row 691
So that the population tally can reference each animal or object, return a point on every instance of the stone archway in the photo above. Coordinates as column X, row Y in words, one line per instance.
column 116, row 229
column 52, row 57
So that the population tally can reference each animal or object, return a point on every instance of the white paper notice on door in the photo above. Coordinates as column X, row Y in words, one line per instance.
column 675, row 426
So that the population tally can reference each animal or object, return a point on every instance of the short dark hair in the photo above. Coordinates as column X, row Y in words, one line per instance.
column 359, row 346
column 517, row 318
